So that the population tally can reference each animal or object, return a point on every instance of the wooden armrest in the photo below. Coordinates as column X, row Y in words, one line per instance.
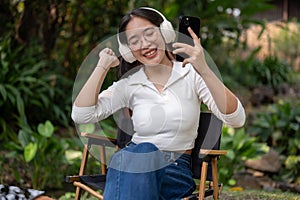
column 70, row 179
column 212, row 152
column 99, row 139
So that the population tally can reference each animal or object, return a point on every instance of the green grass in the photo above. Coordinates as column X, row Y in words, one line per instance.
column 257, row 195
column 226, row 195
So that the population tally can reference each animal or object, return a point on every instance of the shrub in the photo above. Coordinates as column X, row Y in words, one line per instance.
column 240, row 147
column 38, row 154
column 28, row 88
column 287, row 43
column 251, row 72
column 279, row 127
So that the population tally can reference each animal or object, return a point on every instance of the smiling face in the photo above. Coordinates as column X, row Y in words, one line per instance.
column 146, row 42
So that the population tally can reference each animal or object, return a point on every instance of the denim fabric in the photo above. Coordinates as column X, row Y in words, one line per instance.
column 143, row 172
column 177, row 180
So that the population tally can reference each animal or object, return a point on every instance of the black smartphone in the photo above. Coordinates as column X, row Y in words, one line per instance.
column 184, row 35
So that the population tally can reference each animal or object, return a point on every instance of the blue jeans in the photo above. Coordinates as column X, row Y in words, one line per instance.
column 142, row 172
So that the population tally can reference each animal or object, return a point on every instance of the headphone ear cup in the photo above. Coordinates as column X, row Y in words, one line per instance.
column 166, row 27
column 167, row 31
column 126, row 53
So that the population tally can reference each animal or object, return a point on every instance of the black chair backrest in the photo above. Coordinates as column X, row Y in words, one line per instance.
column 209, row 137
column 123, row 138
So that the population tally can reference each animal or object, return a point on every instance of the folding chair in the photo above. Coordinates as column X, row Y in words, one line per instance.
column 204, row 160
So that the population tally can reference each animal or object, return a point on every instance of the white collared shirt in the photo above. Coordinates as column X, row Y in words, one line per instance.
column 168, row 119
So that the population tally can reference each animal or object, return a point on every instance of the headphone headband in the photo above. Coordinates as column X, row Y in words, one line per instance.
column 152, row 9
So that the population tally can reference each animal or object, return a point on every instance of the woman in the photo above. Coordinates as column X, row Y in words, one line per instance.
column 164, row 97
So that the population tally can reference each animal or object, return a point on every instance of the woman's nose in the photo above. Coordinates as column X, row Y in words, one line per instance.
column 144, row 42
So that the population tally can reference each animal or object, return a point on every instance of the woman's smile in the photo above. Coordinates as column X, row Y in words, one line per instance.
column 151, row 53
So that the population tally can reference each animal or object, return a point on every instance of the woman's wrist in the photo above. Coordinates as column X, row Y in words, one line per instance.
column 103, row 67
column 203, row 70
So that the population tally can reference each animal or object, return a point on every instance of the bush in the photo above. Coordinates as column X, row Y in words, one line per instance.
column 28, row 88
column 251, row 72
column 240, row 147
column 287, row 43
column 279, row 127
column 38, row 154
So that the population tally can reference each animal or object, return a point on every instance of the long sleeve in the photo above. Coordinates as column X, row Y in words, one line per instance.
column 235, row 119
column 109, row 101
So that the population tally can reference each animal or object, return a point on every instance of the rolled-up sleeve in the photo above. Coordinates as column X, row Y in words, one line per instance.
column 83, row 115
column 109, row 101
column 235, row 119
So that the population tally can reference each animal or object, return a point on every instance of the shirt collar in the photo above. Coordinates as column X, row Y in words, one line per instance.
column 177, row 72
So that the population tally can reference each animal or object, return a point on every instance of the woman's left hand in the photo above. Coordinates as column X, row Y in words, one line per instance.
column 195, row 53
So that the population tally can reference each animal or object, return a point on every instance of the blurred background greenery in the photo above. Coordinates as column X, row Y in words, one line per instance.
column 43, row 43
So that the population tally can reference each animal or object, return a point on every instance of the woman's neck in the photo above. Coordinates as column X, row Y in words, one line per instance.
column 159, row 74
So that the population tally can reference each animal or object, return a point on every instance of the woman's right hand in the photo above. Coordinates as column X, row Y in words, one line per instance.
column 107, row 59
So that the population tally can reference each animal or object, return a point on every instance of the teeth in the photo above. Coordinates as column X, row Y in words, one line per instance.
column 150, row 53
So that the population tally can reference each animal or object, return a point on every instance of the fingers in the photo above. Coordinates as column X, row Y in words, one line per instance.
column 184, row 48
column 184, row 62
column 192, row 33
column 108, row 58
column 195, row 38
column 180, row 48
column 107, row 51
column 110, row 52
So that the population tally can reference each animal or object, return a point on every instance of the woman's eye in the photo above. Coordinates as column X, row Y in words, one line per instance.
column 149, row 33
column 133, row 42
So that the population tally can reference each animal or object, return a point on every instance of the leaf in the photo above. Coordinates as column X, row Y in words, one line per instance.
column 46, row 129
column 292, row 161
column 230, row 154
column 20, row 105
column 3, row 92
column 30, row 151
column 231, row 182
column 24, row 138
column 72, row 155
column 87, row 128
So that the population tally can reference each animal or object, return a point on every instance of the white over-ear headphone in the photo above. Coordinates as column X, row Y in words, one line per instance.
column 166, row 30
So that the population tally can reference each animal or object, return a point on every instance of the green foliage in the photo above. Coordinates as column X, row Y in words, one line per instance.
column 287, row 42
column 279, row 126
column 42, row 153
column 272, row 72
column 251, row 72
column 220, row 20
column 28, row 87
column 30, row 151
column 45, row 131
column 47, row 149
column 240, row 147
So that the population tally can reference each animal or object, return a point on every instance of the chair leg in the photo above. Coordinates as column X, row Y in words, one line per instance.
column 88, row 189
column 203, row 180
column 215, row 178
column 82, row 168
column 103, row 159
